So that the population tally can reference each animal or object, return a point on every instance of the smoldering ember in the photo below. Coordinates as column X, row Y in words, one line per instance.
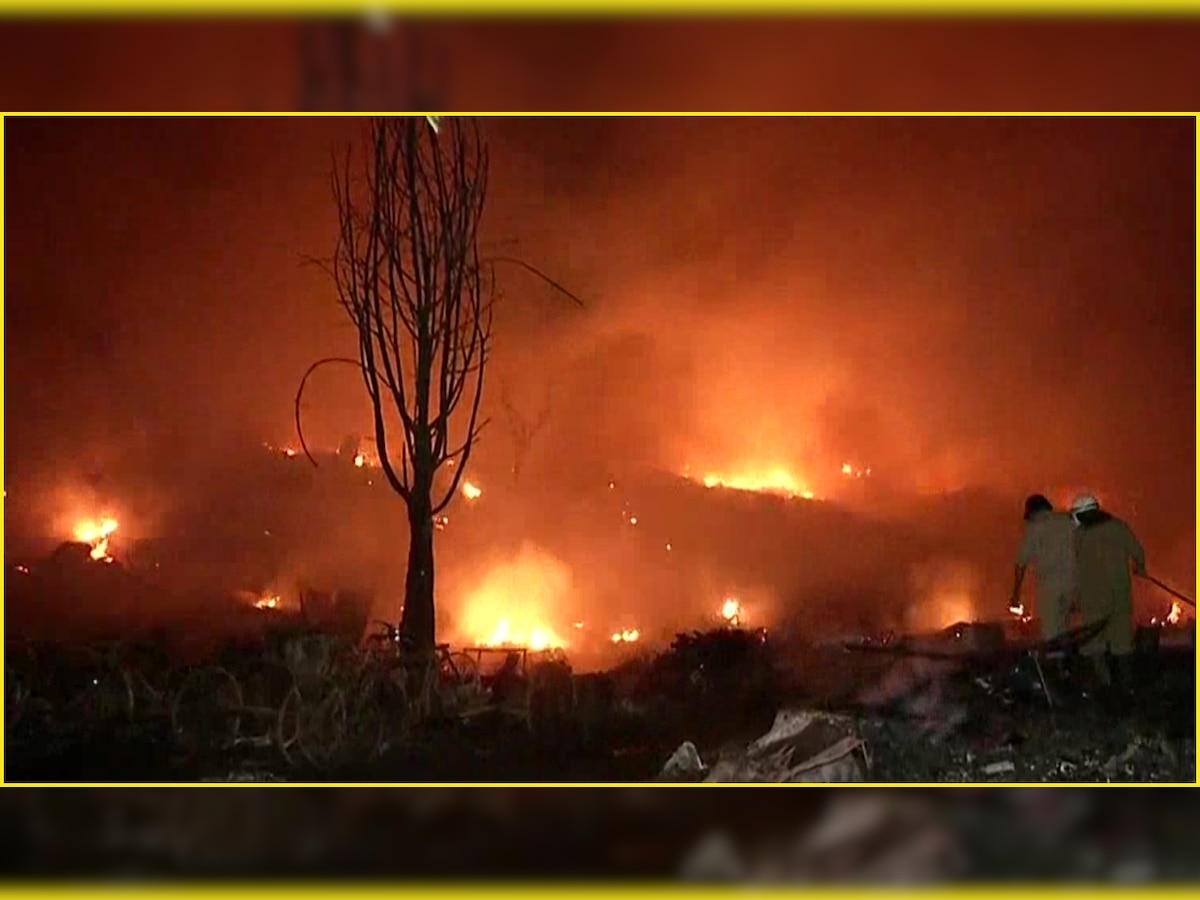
column 596, row 449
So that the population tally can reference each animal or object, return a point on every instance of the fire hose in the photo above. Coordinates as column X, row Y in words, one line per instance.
column 1170, row 590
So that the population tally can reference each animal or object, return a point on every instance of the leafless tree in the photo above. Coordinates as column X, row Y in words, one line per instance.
column 523, row 429
column 409, row 276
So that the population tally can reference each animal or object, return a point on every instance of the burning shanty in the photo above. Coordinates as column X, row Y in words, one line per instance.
column 719, row 478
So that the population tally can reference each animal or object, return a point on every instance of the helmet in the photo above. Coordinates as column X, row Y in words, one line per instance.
column 1036, row 503
column 1084, row 503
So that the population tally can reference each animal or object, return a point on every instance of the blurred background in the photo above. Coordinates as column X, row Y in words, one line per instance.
column 1133, row 836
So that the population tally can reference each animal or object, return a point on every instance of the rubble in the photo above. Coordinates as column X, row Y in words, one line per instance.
column 802, row 746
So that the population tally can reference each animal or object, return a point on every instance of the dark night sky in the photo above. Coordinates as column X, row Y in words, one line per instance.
column 1005, row 303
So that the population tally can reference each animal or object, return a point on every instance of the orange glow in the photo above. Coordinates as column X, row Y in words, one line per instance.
column 515, row 601
column 470, row 491
column 627, row 636
column 97, row 533
column 847, row 469
column 1176, row 613
column 944, row 594
column 360, row 460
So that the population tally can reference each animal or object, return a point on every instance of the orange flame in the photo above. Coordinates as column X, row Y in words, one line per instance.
column 268, row 602
column 627, row 636
column 536, row 638
column 1175, row 614
column 96, row 534
column 768, row 481
column 470, row 491
column 514, row 601
column 731, row 611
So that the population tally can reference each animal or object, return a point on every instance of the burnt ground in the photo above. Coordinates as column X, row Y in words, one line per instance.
column 991, row 724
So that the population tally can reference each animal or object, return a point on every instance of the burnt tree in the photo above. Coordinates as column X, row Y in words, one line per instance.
column 409, row 276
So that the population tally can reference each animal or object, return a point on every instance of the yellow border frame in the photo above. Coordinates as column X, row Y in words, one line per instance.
column 453, row 5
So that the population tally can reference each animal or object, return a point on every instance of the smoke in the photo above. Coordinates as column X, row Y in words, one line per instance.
column 958, row 305
column 944, row 592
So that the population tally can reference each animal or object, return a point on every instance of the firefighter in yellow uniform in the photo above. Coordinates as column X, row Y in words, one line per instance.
column 1047, row 547
column 1104, row 549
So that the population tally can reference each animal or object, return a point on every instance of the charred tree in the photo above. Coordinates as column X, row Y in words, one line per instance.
column 409, row 277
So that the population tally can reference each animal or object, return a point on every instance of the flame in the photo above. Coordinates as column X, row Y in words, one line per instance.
column 267, row 602
column 536, row 638
column 470, row 491
column 766, row 481
column 731, row 611
column 513, row 603
column 97, row 534
column 1176, row 613
column 360, row 460
column 627, row 636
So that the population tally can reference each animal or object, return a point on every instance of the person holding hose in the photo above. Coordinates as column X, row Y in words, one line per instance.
column 1105, row 546
column 1047, row 547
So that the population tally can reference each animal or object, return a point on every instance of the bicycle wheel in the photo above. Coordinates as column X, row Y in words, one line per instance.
column 207, row 708
column 378, row 713
column 313, row 722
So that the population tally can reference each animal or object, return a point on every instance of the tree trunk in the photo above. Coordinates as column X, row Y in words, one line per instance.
column 417, row 621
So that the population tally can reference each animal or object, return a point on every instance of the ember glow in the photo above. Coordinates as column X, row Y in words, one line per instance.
column 96, row 533
column 627, row 636
column 470, row 491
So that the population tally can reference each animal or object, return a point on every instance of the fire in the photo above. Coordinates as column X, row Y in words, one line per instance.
column 514, row 602
column 96, row 533
column 360, row 460
column 1175, row 614
column 731, row 611
column 535, row 639
column 626, row 637
column 768, row 481
column 850, row 471
column 470, row 491
column 268, row 602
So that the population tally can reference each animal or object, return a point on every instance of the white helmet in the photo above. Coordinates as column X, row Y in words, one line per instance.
column 1084, row 503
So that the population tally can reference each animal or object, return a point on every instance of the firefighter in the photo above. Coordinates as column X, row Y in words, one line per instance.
column 1047, row 546
column 1104, row 548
